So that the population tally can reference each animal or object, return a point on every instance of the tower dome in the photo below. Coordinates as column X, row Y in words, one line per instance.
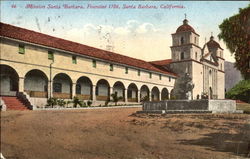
column 213, row 44
column 185, row 27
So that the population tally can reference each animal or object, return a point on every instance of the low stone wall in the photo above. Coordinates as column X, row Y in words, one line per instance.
column 222, row 106
column 38, row 102
column 177, row 105
column 214, row 106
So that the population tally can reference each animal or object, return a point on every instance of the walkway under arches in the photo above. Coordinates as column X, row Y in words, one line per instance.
column 36, row 84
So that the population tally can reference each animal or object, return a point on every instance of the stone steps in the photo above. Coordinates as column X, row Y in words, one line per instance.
column 13, row 103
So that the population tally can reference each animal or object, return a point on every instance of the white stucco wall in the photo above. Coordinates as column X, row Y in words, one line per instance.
column 197, row 76
column 221, row 85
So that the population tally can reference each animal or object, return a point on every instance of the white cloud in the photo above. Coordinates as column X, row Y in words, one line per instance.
column 121, row 31
column 146, row 28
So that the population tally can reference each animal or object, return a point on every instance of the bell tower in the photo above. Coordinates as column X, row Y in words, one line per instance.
column 186, row 57
column 185, row 43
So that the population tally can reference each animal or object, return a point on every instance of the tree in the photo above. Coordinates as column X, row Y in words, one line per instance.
column 240, row 91
column 235, row 32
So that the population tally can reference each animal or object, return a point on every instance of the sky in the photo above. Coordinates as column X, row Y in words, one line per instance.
column 122, row 26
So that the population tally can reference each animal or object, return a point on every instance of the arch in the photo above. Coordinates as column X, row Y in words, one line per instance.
column 84, row 88
column 9, row 82
column 119, row 88
column 172, row 94
column 155, row 94
column 164, row 94
column 144, row 93
column 132, row 93
column 102, row 90
column 62, row 85
column 36, row 83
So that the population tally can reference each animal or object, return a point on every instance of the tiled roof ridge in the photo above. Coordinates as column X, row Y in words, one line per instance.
column 161, row 62
column 95, row 52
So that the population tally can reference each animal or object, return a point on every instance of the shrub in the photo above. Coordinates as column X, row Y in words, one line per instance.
column 76, row 101
column 89, row 103
column 61, row 102
column 241, row 91
column 107, row 102
column 82, row 104
column 116, row 98
column 52, row 102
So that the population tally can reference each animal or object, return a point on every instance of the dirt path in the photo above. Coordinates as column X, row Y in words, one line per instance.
column 117, row 134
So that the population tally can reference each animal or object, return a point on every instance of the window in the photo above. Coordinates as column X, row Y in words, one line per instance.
column 195, row 40
column 94, row 63
column 21, row 49
column 111, row 68
column 182, row 55
column 221, row 66
column 182, row 40
column 57, row 87
column 74, row 60
column 139, row 72
column 126, row 70
column 150, row 75
column 160, row 77
column 169, row 79
column 196, row 55
column 50, row 55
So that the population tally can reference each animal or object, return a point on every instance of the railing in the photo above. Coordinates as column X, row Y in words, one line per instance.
column 155, row 100
column 38, row 94
column 83, row 96
column 102, row 98
column 8, row 93
column 132, row 99
column 62, row 95
column 24, row 97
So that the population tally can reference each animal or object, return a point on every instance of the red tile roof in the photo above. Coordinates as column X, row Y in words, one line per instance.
column 213, row 44
column 162, row 62
column 14, row 32
column 185, row 27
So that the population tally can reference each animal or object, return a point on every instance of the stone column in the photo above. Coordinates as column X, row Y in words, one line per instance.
column 159, row 96
column 21, row 84
column 125, row 95
column 138, row 96
column 73, row 90
column 150, row 96
column 110, row 92
column 93, row 93
column 50, row 90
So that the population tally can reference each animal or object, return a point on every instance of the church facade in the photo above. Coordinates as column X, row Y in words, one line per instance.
column 41, row 66
column 205, row 65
